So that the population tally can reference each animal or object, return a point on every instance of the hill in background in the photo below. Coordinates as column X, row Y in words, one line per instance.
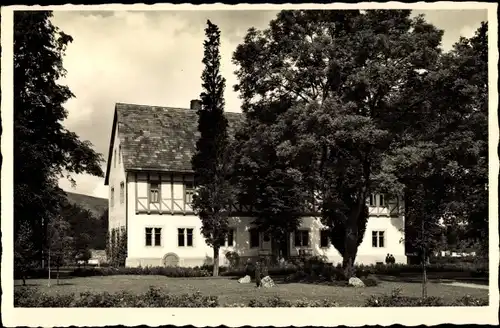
column 88, row 218
column 96, row 206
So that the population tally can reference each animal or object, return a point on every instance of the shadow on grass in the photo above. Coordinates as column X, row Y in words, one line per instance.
column 52, row 284
column 433, row 278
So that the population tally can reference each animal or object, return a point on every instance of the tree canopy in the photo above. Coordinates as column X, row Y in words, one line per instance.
column 43, row 148
column 349, row 103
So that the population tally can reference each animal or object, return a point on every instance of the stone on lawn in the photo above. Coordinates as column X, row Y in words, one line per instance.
column 267, row 282
column 356, row 282
column 245, row 280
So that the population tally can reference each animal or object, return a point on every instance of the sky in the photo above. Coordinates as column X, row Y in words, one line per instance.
column 154, row 58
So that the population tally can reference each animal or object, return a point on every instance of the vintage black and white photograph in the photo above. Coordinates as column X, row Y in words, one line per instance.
column 250, row 158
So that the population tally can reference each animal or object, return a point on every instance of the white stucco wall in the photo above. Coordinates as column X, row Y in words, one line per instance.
column 116, row 176
column 200, row 252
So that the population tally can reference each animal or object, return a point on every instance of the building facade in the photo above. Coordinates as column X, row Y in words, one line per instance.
column 151, row 187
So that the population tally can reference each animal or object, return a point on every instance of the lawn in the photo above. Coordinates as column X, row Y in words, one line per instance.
column 230, row 291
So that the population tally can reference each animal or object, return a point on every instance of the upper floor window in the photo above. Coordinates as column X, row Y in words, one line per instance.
column 382, row 200
column 302, row 238
column 112, row 197
column 188, row 192
column 119, row 154
column 154, row 192
column 378, row 239
column 114, row 159
column 372, row 200
column 122, row 192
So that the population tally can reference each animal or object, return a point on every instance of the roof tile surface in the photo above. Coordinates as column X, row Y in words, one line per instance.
column 160, row 138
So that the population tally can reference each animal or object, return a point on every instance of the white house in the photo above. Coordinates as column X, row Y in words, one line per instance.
column 151, row 185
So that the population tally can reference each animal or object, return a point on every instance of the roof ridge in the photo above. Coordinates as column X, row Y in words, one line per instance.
column 147, row 105
column 169, row 107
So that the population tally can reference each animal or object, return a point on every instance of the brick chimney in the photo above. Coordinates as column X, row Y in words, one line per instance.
column 195, row 104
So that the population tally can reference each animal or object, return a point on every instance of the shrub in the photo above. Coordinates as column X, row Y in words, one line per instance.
column 233, row 258
column 470, row 301
column 154, row 297
column 277, row 301
column 30, row 297
column 396, row 300
column 370, row 281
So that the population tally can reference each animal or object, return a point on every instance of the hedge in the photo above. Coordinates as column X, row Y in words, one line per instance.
column 309, row 267
column 154, row 297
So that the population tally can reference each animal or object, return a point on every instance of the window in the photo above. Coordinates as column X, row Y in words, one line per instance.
column 302, row 238
column 119, row 154
column 112, row 200
column 157, row 236
column 324, row 238
column 382, row 200
column 153, row 236
column 254, row 238
column 230, row 237
column 114, row 159
column 149, row 236
column 154, row 192
column 188, row 192
column 184, row 237
column 122, row 192
column 378, row 239
column 372, row 200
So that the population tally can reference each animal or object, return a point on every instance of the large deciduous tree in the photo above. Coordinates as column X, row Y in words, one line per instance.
column 211, row 166
column 446, row 156
column 344, row 73
column 268, row 182
column 43, row 147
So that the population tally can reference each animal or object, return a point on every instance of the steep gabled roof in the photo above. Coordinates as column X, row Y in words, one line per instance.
column 158, row 138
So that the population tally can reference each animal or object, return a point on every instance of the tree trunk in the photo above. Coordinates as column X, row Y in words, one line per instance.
column 23, row 276
column 216, row 261
column 424, row 264
column 48, row 264
column 351, row 249
column 351, row 239
column 57, row 275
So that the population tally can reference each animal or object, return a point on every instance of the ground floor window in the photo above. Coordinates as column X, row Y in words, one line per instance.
column 153, row 236
column 378, row 239
column 302, row 238
column 254, row 238
column 230, row 238
column 184, row 237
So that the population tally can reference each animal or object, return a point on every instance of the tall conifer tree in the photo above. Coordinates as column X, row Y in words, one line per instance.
column 213, row 198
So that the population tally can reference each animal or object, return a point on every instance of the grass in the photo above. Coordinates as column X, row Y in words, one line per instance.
column 230, row 291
